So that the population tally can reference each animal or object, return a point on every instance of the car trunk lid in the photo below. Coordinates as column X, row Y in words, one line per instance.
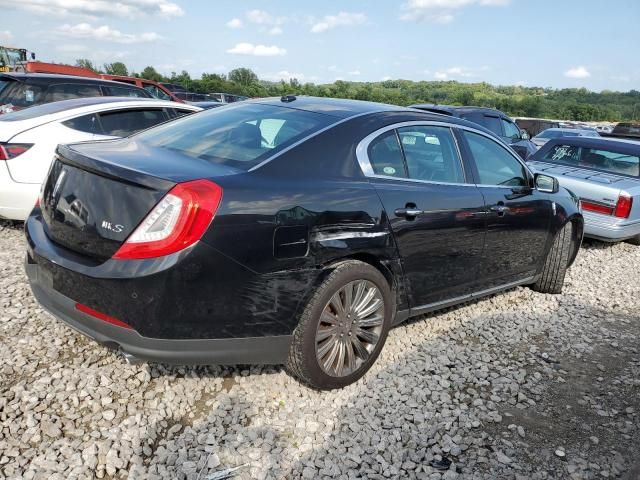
column 95, row 196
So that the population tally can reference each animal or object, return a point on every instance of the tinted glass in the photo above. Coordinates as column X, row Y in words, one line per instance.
column 4, row 83
column 127, row 92
column 85, row 123
column 385, row 156
column 493, row 124
column 22, row 94
column 56, row 93
column 156, row 92
column 496, row 166
column 510, row 130
column 431, row 154
column 124, row 123
column 606, row 160
column 235, row 135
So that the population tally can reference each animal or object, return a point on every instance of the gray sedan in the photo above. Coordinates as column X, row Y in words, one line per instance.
column 546, row 135
column 605, row 174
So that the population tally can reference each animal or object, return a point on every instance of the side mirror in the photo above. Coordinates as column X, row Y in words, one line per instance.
column 524, row 135
column 546, row 183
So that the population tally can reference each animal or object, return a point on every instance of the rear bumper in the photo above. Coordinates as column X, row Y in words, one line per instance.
column 254, row 350
column 16, row 199
column 609, row 229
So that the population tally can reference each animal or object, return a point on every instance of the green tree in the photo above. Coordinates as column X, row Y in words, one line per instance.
column 116, row 68
column 243, row 76
column 150, row 73
column 86, row 63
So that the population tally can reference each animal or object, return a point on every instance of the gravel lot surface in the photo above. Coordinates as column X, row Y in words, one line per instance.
column 520, row 385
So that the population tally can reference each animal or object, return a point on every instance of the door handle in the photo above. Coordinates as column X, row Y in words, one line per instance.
column 499, row 209
column 408, row 212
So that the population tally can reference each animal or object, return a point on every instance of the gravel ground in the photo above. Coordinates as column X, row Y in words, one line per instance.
column 520, row 385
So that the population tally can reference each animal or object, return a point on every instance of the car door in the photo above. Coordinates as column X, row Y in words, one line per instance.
column 434, row 210
column 517, row 215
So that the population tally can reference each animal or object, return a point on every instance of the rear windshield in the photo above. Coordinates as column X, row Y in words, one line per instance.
column 595, row 158
column 239, row 136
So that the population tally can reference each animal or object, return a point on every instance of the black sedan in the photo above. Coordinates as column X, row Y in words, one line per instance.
column 293, row 230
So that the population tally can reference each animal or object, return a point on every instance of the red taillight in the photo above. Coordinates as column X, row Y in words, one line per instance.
column 623, row 207
column 101, row 316
column 9, row 151
column 596, row 207
column 176, row 222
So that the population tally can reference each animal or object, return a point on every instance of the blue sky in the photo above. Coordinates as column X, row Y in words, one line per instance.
column 561, row 43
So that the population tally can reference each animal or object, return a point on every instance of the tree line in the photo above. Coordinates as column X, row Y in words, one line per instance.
column 577, row 104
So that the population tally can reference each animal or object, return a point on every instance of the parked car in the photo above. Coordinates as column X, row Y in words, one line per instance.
column 174, row 87
column 22, row 90
column 207, row 105
column 28, row 138
column 194, row 97
column 625, row 130
column 546, row 135
column 605, row 174
column 491, row 119
column 228, row 97
column 293, row 230
column 157, row 90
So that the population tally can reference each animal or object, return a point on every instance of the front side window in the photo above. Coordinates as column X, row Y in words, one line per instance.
column 55, row 93
column 385, row 156
column 431, row 154
column 496, row 166
column 124, row 123
column 510, row 130
column 240, row 136
column 598, row 159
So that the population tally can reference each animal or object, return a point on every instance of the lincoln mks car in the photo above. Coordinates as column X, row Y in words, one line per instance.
column 293, row 230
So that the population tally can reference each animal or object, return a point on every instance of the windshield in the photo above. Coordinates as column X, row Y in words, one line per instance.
column 239, row 136
column 21, row 94
column 556, row 134
column 622, row 163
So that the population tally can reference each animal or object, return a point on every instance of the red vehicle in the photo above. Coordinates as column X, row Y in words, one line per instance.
column 156, row 89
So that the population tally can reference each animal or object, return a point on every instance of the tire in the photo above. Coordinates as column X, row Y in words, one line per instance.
column 634, row 240
column 323, row 327
column 555, row 265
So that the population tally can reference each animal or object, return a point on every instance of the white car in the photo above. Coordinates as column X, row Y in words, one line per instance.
column 29, row 137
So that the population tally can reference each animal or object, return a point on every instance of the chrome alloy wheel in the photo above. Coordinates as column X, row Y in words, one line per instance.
column 349, row 328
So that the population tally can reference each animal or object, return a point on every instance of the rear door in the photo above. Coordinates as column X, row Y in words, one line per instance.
column 435, row 212
column 517, row 215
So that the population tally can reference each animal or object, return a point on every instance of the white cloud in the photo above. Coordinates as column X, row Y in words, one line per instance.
column 342, row 19
column 577, row 72
column 257, row 50
column 106, row 33
column 234, row 23
column 440, row 76
column 354, row 72
column 5, row 35
column 260, row 17
column 96, row 8
column 441, row 11
column 284, row 75
column 72, row 48
column 275, row 31
column 385, row 78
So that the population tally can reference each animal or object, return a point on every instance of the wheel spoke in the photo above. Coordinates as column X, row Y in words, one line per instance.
column 367, row 335
column 350, row 357
column 368, row 322
column 328, row 317
column 361, row 287
column 324, row 333
column 359, row 349
column 326, row 346
column 348, row 297
column 340, row 360
column 365, row 300
column 328, row 361
column 372, row 307
column 336, row 303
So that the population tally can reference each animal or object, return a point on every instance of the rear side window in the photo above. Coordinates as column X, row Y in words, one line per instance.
column 385, row 156
column 85, row 123
column 127, row 92
column 124, row 123
column 510, row 130
column 22, row 94
column 56, row 93
column 493, row 124
column 431, row 154
column 239, row 136
column 496, row 166
column 598, row 159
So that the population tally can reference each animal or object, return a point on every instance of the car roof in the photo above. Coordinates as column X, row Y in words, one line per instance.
column 336, row 107
column 48, row 77
column 604, row 143
column 452, row 109
column 79, row 106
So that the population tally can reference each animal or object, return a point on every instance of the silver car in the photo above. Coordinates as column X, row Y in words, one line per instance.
column 546, row 135
column 605, row 174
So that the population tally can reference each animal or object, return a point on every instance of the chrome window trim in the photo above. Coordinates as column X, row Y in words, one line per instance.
column 367, row 170
column 310, row 136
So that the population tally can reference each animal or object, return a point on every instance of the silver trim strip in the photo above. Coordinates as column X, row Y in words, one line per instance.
column 310, row 136
column 367, row 169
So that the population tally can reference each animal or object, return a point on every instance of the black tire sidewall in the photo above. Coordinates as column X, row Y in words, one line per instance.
column 348, row 273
